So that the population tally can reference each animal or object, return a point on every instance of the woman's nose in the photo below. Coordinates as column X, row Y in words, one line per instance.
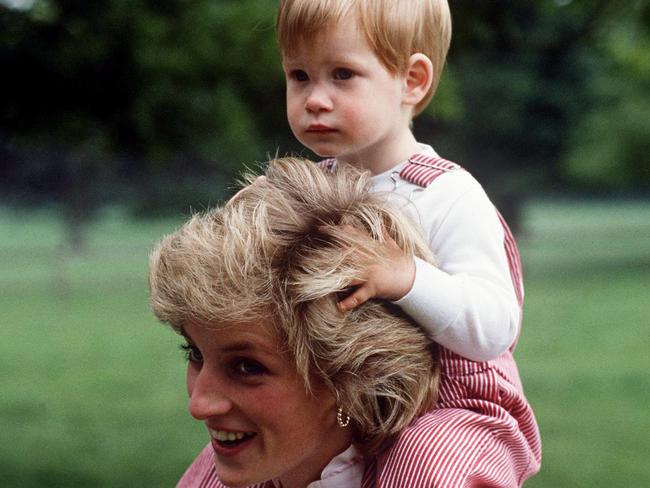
column 207, row 395
column 318, row 99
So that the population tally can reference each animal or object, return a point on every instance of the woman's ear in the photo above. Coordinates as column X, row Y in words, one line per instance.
column 418, row 78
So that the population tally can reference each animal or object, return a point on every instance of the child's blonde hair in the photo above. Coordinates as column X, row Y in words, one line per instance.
column 277, row 255
column 395, row 29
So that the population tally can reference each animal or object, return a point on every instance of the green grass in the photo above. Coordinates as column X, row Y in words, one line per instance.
column 93, row 388
column 584, row 349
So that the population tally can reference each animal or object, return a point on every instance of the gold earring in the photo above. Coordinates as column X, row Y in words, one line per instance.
column 342, row 418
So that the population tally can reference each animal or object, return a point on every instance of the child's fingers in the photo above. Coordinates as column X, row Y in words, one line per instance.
column 345, row 227
column 353, row 230
column 356, row 298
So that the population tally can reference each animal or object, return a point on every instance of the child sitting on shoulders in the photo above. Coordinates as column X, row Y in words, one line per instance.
column 357, row 73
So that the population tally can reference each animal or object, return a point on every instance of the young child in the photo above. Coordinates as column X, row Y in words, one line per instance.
column 357, row 72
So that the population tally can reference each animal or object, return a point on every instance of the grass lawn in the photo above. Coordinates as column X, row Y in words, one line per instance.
column 584, row 349
column 93, row 388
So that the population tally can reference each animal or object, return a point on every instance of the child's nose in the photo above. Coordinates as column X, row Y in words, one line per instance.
column 207, row 396
column 318, row 99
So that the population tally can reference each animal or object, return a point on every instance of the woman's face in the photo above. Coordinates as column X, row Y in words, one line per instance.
column 262, row 423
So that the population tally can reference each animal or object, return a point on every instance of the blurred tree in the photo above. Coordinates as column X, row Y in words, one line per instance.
column 60, row 105
column 522, row 70
column 610, row 147
column 163, row 101
column 101, row 93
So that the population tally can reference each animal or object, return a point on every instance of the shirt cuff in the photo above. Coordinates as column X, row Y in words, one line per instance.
column 434, row 300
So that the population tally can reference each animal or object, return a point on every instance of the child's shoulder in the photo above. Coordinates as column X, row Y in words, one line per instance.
column 438, row 177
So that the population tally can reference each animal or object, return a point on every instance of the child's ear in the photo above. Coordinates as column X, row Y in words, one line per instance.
column 418, row 78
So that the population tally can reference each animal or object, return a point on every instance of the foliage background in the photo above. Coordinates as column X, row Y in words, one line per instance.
column 119, row 117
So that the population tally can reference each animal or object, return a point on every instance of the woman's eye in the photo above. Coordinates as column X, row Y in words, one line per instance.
column 342, row 74
column 299, row 75
column 192, row 353
column 247, row 367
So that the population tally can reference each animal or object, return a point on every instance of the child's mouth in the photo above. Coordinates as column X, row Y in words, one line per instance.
column 319, row 128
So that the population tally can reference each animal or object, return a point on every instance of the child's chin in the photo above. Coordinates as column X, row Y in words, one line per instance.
column 324, row 150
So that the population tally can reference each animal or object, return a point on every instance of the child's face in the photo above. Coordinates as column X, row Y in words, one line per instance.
column 341, row 100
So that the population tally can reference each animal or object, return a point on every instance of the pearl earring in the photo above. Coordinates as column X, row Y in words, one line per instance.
column 342, row 418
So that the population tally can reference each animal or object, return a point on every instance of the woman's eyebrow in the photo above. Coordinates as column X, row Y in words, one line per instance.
column 246, row 346
column 239, row 346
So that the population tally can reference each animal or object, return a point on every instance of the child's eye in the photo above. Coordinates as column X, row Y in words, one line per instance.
column 192, row 353
column 247, row 367
column 299, row 75
column 343, row 74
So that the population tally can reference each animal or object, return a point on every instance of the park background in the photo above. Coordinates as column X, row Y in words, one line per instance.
column 119, row 118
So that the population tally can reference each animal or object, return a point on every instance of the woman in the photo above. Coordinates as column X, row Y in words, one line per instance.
column 292, row 390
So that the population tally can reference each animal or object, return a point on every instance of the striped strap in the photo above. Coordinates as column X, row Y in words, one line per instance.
column 514, row 260
column 327, row 163
column 421, row 169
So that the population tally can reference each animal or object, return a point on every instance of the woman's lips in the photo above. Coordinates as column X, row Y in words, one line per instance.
column 231, row 449
column 230, row 443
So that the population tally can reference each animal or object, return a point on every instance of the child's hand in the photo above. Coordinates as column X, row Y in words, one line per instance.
column 389, row 279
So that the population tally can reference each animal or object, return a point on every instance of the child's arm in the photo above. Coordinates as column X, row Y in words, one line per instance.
column 467, row 302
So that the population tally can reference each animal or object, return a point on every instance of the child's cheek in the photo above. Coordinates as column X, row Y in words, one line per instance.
column 354, row 118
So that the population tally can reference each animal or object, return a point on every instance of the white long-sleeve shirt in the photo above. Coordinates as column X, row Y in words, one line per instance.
column 466, row 301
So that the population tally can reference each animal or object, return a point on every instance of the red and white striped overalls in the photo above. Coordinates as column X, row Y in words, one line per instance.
column 483, row 431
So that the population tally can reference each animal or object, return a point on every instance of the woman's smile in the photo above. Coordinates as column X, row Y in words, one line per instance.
column 229, row 443
column 263, row 424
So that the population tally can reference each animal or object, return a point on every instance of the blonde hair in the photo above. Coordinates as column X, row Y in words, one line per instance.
column 395, row 29
column 279, row 253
